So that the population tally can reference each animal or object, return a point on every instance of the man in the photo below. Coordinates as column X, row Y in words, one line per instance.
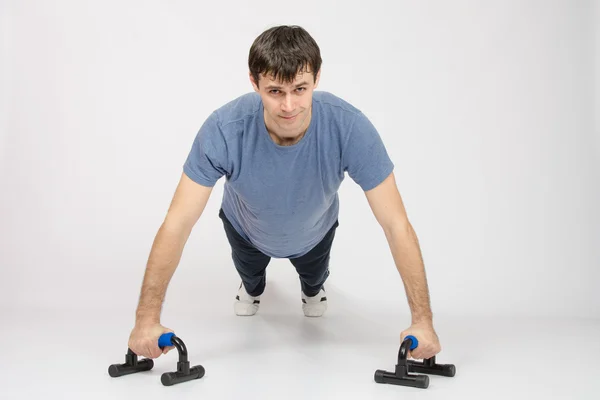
column 284, row 150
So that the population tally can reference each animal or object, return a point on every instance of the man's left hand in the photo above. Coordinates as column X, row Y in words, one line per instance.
column 429, row 344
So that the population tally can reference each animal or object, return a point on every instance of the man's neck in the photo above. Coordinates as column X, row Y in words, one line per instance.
column 288, row 141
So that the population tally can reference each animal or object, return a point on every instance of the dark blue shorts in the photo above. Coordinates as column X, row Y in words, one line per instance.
column 251, row 263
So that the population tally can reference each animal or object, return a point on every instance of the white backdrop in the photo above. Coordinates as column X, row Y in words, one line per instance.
column 486, row 108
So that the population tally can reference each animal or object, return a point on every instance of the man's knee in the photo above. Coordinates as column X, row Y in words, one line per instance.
column 316, row 278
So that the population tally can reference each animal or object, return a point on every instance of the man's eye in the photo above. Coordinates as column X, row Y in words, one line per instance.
column 275, row 91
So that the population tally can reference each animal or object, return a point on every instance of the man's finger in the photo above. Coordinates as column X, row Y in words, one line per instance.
column 147, row 352
column 155, row 351
column 418, row 354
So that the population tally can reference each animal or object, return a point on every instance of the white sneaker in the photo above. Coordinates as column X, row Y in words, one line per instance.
column 244, row 303
column 314, row 306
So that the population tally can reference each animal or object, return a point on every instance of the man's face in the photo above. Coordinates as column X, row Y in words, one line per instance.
column 288, row 106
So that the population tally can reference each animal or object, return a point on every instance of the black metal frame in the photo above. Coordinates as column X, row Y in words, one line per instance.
column 183, row 373
column 402, row 376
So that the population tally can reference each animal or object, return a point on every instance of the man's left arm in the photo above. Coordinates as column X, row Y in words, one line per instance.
column 387, row 206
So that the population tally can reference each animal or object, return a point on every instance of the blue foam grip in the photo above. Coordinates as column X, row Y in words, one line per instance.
column 415, row 342
column 165, row 340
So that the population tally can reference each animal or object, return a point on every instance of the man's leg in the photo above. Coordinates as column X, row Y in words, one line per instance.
column 313, row 271
column 250, row 264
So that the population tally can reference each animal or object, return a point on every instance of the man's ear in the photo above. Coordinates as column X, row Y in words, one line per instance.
column 253, row 82
column 317, row 79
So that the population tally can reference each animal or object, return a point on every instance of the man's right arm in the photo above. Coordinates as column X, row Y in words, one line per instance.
column 186, row 208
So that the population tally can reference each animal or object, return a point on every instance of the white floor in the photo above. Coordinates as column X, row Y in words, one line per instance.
column 280, row 354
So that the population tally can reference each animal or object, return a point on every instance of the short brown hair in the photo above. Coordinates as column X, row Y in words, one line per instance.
column 284, row 51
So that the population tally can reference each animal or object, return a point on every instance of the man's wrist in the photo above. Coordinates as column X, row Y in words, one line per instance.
column 422, row 320
column 145, row 319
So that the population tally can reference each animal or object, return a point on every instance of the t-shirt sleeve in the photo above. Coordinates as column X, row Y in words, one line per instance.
column 364, row 156
column 207, row 160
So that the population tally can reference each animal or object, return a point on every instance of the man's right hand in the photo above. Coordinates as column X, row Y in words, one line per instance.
column 143, row 340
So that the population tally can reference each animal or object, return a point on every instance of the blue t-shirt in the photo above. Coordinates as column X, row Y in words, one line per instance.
column 284, row 199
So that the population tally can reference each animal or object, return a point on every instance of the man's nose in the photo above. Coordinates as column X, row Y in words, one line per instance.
column 288, row 104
